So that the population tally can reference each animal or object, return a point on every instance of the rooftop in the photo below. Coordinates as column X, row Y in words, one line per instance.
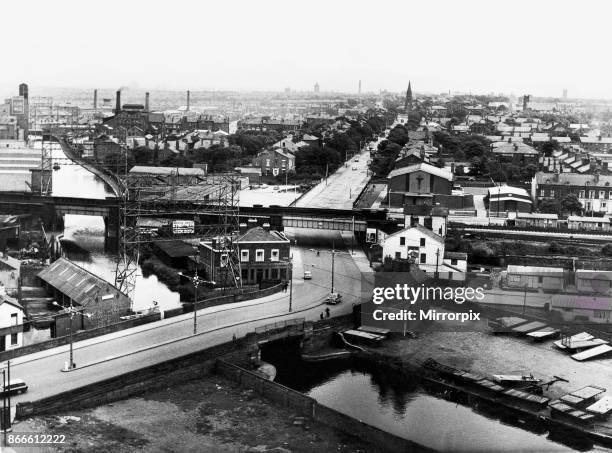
column 75, row 282
column 259, row 234
column 422, row 166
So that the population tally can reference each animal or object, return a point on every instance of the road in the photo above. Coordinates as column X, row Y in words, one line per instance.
column 131, row 349
column 342, row 187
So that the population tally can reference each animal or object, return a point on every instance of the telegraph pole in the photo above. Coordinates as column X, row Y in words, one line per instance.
column 332, row 268
column 290, row 270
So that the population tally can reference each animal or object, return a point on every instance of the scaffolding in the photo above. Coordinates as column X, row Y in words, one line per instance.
column 183, row 206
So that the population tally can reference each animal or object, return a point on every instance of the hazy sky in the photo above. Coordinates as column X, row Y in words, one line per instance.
column 533, row 46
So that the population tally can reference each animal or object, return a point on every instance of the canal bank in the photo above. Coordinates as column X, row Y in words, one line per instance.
column 402, row 400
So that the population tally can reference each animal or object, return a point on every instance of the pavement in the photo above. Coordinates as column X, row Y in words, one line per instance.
column 131, row 349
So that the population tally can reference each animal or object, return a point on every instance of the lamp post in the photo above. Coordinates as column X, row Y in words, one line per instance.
column 195, row 281
column 71, row 311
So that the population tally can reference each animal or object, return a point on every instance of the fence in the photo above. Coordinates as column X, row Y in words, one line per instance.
column 320, row 413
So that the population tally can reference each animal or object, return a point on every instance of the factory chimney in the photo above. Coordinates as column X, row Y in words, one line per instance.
column 95, row 100
column 118, row 102
column 147, row 101
column 187, row 100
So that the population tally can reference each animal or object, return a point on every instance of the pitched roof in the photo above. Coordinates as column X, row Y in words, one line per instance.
column 75, row 282
column 422, row 166
column 259, row 234
column 425, row 231
column 573, row 179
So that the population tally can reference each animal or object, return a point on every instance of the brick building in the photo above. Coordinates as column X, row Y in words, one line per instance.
column 264, row 257
column 417, row 184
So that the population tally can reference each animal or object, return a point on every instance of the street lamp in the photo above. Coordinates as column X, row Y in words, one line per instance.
column 71, row 311
column 196, row 281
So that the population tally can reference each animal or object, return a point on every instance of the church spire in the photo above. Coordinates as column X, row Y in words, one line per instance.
column 408, row 104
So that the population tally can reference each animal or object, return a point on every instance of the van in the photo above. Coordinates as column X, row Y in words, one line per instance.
column 15, row 387
column 307, row 275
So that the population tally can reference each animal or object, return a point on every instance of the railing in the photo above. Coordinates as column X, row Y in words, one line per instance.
column 295, row 322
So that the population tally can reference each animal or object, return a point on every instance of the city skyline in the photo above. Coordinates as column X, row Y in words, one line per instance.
column 255, row 47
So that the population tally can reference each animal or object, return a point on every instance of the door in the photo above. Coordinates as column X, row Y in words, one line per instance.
column 3, row 343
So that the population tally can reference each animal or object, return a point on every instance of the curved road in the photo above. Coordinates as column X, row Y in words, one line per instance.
column 110, row 355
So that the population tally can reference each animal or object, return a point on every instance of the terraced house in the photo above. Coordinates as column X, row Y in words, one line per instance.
column 594, row 191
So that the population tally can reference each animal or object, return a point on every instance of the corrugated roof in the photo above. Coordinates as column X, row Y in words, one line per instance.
column 146, row 170
column 75, row 282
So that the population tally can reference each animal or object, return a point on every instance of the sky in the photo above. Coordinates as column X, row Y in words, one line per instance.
column 533, row 47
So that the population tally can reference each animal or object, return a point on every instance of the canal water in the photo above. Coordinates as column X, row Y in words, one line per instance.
column 407, row 410
column 87, row 232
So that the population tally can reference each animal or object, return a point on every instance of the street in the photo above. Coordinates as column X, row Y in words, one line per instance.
column 128, row 350
column 342, row 187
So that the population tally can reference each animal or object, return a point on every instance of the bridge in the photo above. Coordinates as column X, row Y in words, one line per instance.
column 52, row 209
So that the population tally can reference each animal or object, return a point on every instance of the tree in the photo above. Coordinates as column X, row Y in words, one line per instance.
column 550, row 206
column 571, row 204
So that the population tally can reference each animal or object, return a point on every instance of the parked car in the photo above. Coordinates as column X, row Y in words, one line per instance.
column 354, row 168
column 333, row 299
column 307, row 275
column 14, row 387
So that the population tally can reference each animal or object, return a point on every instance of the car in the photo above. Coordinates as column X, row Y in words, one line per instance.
column 333, row 299
column 353, row 168
column 356, row 159
column 307, row 275
column 15, row 387
column 276, row 187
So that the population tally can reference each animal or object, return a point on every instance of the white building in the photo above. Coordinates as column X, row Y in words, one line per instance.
column 9, row 274
column 427, row 250
column 11, row 323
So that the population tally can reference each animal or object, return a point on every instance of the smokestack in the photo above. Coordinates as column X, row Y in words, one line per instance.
column 188, row 100
column 147, row 101
column 95, row 99
column 23, row 90
column 118, row 102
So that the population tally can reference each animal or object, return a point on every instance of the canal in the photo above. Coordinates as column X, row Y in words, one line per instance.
column 408, row 410
column 87, row 232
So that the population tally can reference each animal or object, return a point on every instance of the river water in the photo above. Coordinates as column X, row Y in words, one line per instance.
column 407, row 410
column 72, row 180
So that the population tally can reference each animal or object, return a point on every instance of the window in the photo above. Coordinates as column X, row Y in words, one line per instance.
column 14, row 319
column 422, row 242
column 610, row 195
column 552, row 193
column 591, row 194
column 259, row 255
column 602, row 314
column 244, row 256
column 274, row 255
column 423, row 258
column 581, row 194
column 602, row 194
column 453, row 262
column 267, row 162
column 402, row 240
column 542, row 192
column 540, row 279
column 14, row 338
column 398, row 255
column 244, row 273
column 603, row 206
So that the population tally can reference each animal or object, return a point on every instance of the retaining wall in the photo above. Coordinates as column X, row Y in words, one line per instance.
column 319, row 413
